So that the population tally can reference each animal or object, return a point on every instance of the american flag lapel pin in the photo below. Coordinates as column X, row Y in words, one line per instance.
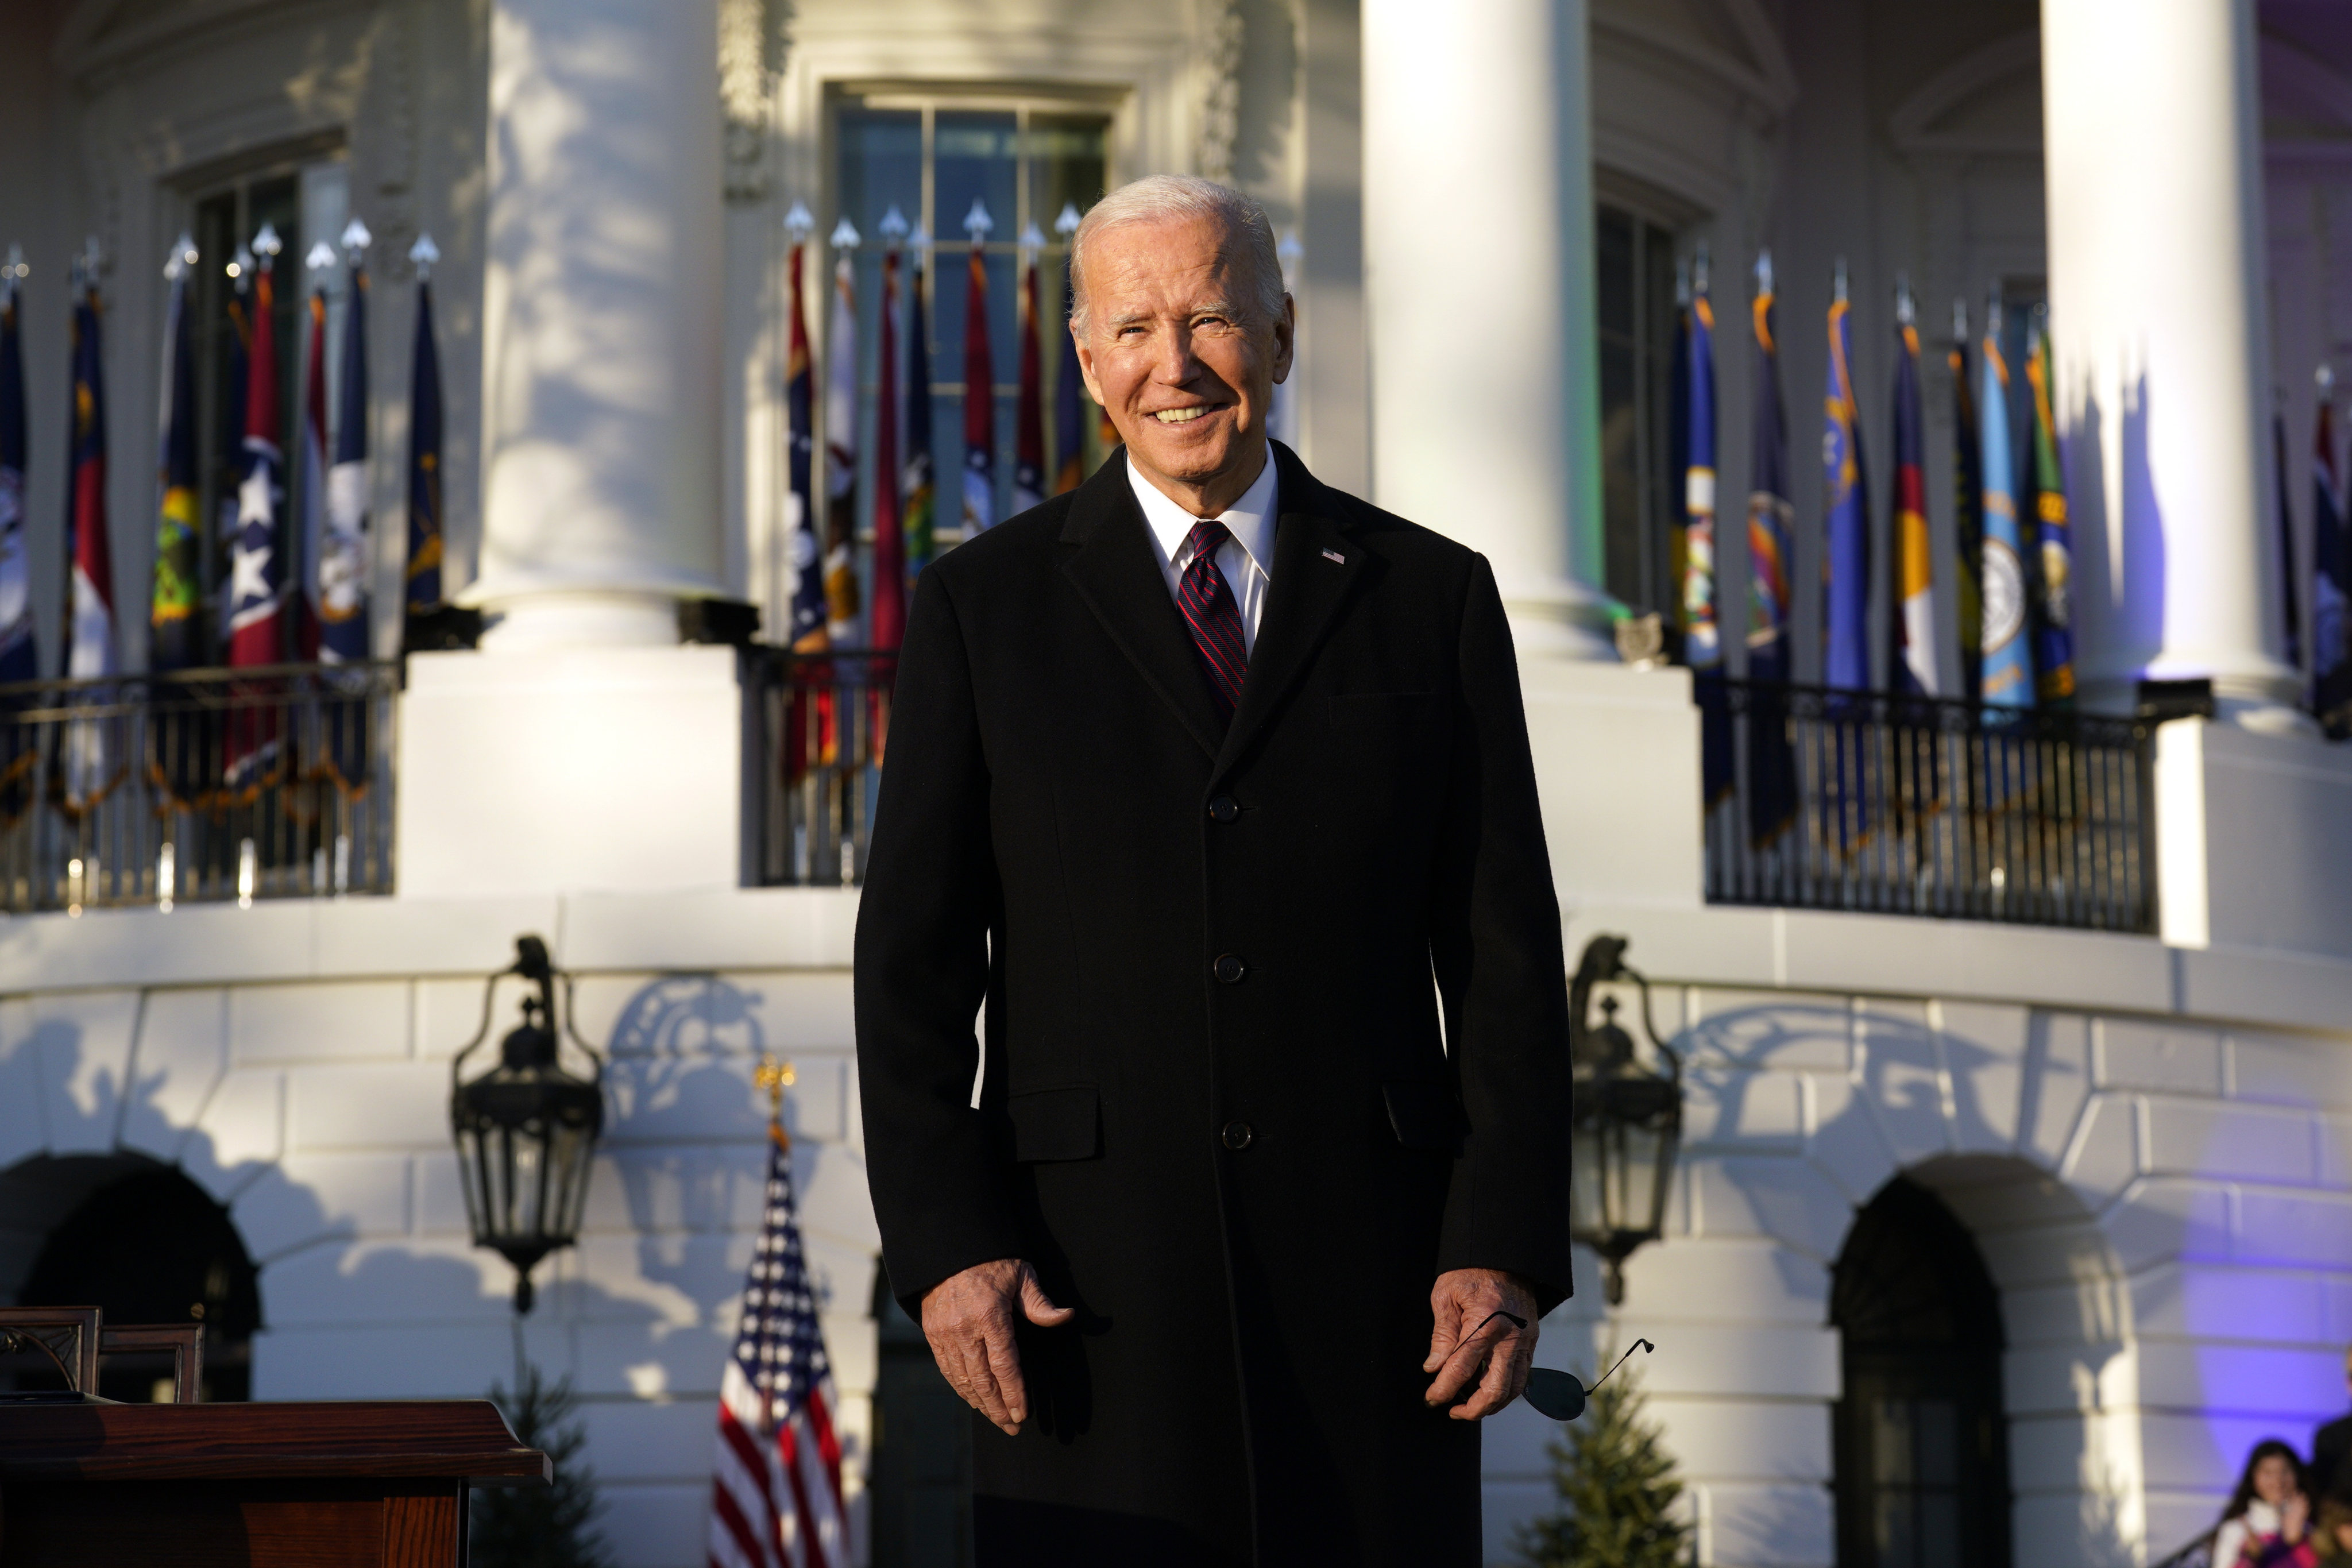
column 1335, row 557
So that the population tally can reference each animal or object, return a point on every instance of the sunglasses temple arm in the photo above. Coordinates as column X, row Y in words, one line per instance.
column 1642, row 1345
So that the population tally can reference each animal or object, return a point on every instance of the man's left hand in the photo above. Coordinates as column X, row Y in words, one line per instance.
column 1490, row 1361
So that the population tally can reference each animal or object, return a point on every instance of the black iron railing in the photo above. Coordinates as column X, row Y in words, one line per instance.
column 819, row 724
column 201, row 786
column 1844, row 800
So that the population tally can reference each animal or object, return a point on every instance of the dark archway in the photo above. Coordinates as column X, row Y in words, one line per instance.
column 1922, row 1445
column 143, row 1242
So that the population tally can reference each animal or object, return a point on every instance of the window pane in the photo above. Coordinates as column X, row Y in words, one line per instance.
column 975, row 154
column 881, row 167
column 1067, row 164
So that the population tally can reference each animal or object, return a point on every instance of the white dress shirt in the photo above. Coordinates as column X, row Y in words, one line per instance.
column 1244, row 559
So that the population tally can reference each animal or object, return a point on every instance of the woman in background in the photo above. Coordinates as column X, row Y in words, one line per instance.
column 2264, row 1525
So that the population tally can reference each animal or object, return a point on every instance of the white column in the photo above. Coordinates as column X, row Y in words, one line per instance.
column 1478, row 269
column 2152, row 136
column 601, row 321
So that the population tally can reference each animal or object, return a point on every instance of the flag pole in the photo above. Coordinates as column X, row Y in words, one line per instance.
column 772, row 1078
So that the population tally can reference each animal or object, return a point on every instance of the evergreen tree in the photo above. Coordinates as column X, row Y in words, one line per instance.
column 540, row 1527
column 1617, row 1491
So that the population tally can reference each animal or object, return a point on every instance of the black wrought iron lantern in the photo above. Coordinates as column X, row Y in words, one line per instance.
column 526, row 1129
column 1628, row 1118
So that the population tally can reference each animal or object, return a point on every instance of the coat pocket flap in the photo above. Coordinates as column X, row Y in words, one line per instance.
column 1057, row 1123
column 1425, row 1115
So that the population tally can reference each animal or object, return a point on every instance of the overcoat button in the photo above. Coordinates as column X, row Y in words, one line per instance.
column 1229, row 969
column 1225, row 808
column 1237, row 1135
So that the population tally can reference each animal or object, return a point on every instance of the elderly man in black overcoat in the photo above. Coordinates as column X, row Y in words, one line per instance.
column 1208, row 793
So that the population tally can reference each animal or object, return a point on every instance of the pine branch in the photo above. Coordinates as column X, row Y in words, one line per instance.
column 1617, row 1493
column 540, row 1527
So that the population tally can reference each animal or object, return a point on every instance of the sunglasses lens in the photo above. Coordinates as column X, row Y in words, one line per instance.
column 1555, row 1393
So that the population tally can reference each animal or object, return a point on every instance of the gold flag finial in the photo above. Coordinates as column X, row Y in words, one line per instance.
column 775, row 1077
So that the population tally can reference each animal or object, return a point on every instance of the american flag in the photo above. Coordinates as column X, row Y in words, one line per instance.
column 776, row 1499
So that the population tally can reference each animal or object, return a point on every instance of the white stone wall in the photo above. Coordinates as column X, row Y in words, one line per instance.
column 2166, row 1204
column 2165, row 1199
column 310, row 1096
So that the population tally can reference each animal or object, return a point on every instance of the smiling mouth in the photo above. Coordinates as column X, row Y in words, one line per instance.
column 1180, row 416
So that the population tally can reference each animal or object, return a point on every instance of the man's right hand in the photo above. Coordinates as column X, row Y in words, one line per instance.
column 969, row 1317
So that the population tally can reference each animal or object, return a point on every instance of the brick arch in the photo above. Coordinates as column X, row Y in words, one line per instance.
column 2069, row 1363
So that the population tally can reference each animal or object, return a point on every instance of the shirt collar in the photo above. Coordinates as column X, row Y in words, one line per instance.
column 1250, row 520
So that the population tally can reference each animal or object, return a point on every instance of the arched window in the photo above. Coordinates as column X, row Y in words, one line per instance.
column 1922, row 1456
column 142, row 1243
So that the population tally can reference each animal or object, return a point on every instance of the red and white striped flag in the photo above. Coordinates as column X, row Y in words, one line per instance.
column 776, row 1498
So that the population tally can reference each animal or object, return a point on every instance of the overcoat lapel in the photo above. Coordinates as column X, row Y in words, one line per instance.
column 1114, row 571
column 1316, row 568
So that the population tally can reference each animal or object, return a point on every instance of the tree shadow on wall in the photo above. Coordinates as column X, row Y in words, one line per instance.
column 689, row 1136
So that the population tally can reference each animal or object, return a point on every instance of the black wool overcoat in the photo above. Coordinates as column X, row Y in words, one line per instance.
column 1217, row 1108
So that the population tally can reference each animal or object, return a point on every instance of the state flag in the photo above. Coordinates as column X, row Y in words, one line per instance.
column 340, row 567
column 919, row 482
column 1968, row 509
column 2051, row 578
column 1702, row 644
column 2331, row 581
column 1771, row 758
column 888, row 616
column 424, row 515
column 174, row 632
column 1029, row 407
column 2006, row 635
column 979, row 387
column 842, row 601
column 92, row 764
column 256, row 586
column 1913, row 621
column 19, row 655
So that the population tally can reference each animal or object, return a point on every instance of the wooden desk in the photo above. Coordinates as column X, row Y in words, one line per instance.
column 368, row 1484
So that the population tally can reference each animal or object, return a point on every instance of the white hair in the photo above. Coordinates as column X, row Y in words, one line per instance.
column 1175, row 198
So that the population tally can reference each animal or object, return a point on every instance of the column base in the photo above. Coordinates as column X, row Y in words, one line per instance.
column 519, row 618
column 1562, row 620
column 2260, row 704
column 615, row 769
column 1617, row 768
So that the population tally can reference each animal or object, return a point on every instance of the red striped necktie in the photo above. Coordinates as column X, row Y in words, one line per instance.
column 1210, row 609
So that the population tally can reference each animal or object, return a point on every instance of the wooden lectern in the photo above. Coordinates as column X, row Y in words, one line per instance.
column 375, row 1483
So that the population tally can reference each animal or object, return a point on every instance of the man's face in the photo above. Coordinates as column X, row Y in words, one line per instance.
column 1171, row 353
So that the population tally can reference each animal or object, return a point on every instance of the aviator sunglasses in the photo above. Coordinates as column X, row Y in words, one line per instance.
column 1555, row 1393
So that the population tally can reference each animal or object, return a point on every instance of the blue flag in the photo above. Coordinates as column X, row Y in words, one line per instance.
column 2008, row 651
column 173, row 629
column 1678, row 405
column 18, row 657
column 1846, row 565
column 1702, row 646
column 424, row 516
column 2331, row 584
column 921, row 485
column 1702, row 640
column 1772, row 760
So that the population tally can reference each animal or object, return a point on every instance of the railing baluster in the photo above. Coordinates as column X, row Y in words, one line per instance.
column 1932, row 807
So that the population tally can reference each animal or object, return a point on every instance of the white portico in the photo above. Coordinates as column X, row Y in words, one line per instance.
column 2146, row 1137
